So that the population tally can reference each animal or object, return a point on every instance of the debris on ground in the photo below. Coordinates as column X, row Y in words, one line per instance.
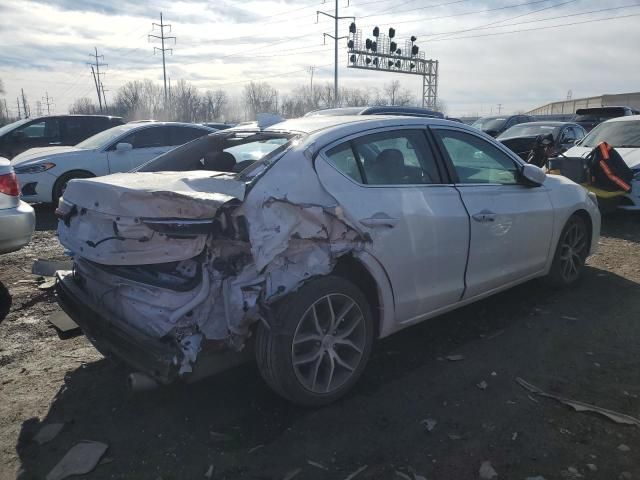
column 292, row 474
column 623, row 448
column 539, row 477
column 48, row 268
column 487, row 472
column 514, row 436
column 47, row 433
column 581, row 406
column 592, row 467
column 219, row 437
column 429, row 424
column 625, row 476
column 482, row 385
column 63, row 322
column 318, row 465
column 47, row 283
column 353, row 475
column 82, row 458
column 454, row 358
column 454, row 436
column 209, row 473
column 253, row 449
column 571, row 472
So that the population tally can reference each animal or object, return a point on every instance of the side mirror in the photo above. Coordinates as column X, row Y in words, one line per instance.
column 123, row 147
column 533, row 176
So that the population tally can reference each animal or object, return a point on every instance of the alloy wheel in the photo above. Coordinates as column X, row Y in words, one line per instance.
column 573, row 251
column 328, row 343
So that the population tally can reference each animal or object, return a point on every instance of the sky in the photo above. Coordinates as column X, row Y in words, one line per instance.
column 512, row 55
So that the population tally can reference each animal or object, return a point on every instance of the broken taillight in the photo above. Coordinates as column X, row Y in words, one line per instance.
column 9, row 184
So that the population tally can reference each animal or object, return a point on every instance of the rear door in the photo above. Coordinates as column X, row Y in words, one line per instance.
column 183, row 134
column 391, row 184
column 511, row 224
column 147, row 143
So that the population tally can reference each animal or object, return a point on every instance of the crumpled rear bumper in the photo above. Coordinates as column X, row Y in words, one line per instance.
column 114, row 338
column 158, row 358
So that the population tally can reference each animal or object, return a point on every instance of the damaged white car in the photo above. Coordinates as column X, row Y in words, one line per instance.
column 303, row 242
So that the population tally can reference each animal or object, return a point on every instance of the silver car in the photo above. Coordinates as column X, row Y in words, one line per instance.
column 17, row 219
column 343, row 231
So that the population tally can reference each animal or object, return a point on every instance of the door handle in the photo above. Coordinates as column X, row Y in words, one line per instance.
column 55, row 143
column 379, row 221
column 484, row 216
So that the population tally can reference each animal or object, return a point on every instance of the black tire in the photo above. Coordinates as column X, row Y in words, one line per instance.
column 61, row 183
column 275, row 348
column 571, row 252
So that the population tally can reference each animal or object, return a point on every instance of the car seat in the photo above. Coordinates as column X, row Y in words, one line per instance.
column 387, row 168
column 219, row 161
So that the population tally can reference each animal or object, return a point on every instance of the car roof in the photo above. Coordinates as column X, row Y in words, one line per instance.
column 134, row 125
column 628, row 118
column 550, row 123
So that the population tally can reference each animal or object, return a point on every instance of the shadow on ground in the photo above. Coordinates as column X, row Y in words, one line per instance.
column 173, row 432
column 45, row 217
column 5, row 301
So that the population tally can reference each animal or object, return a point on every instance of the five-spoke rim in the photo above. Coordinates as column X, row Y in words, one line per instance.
column 572, row 252
column 329, row 343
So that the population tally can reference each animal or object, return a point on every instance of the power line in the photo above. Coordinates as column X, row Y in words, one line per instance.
column 162, row 38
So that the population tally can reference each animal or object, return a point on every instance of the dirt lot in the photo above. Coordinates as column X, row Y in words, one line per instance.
column 582, row 343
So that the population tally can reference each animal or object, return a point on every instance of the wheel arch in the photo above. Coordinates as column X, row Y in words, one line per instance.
column 364, row 271
column 75, row 171
column 589, row 221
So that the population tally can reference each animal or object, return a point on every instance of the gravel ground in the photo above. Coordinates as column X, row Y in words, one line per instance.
column 581, row 343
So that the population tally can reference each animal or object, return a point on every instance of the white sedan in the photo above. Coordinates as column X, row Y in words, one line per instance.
column 622, row 133
column 45, row 172
column 348, row 229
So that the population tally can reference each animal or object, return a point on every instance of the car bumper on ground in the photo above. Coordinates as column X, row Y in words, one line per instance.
column 158, row 358
column 16, row 227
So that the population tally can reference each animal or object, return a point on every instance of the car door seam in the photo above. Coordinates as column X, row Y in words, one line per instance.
column 466, row 264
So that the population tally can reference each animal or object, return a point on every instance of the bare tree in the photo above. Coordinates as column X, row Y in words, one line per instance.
column 84, row 106
column 185, row 101
column 213, row 105
column 396, row 95
column 1, row 87
column 260, row 97
column 140, row 100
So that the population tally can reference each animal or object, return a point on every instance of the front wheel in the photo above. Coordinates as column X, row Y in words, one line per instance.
column 321, row 345
column 571, row 253
column 61, row 184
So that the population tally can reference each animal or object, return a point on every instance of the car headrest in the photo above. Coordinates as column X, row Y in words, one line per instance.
column 390, row 158
column 219, row 161
column 387, row 168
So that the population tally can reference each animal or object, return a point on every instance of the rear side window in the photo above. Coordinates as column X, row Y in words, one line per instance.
column 388, row 158
column 343, row 159
column 180, row 135
column 48, row 129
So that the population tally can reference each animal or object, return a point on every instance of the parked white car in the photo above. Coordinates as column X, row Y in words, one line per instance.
column 623, row 134
column 45, row 172
column 348, row 230
column 17, row 218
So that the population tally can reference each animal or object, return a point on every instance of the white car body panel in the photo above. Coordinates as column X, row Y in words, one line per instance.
column 301, row 217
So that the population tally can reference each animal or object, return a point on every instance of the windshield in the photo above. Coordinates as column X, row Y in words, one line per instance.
column 620, row 134
column 11, row 126
column 529, row 130
column 489, row 123
column 106, row 136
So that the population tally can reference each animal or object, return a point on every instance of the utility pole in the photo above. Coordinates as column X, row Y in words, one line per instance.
column 18, row 102
column 311, row 70
column 96, row 75
column 48, row 102
column 162, row 38
column 336, row 17
column 25, row 110
column 104, row 97
column 499, row 108
column 38, row 108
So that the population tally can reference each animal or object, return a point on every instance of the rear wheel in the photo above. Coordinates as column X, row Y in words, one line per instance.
column 61, row 184
column 571, row 253
column 322, row 345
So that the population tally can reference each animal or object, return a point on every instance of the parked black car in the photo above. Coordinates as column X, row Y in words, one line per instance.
column 522, row 138
column 494, row 126
column 589, row 118
column 53, row 130
column 378, row 110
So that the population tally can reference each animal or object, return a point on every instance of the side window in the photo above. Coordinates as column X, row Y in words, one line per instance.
column 149, row 137
column 180, row 135
column 48, row 128
column 343, row 159
column 569, row 135
column 476, row 160
column 76, row 129
column 396, row 158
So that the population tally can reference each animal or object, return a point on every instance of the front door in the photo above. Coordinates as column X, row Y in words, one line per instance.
column 389, row 182
column 511, row 224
